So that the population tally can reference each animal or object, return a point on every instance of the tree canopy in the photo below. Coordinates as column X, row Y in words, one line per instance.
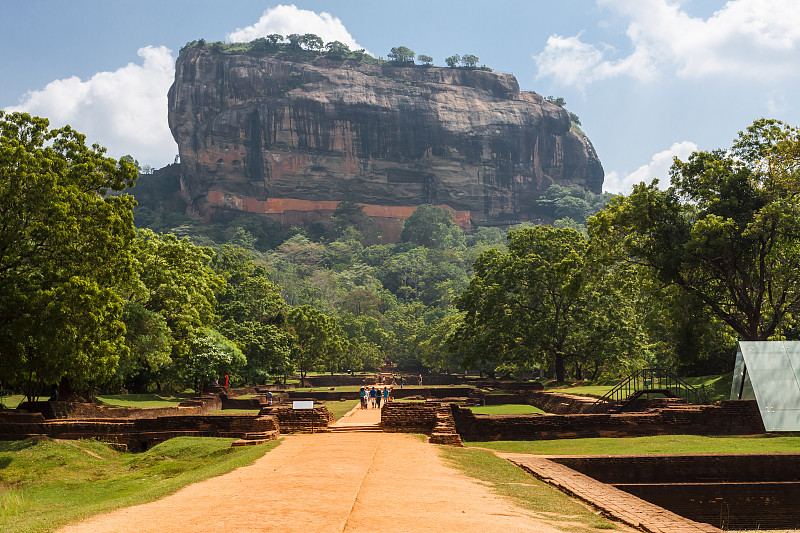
column 727, row 230
column 65, row 245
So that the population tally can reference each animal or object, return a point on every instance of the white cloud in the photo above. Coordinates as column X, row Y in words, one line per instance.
column 288, row 19
column 745, row 39
column 124, row 110
column 657, row 168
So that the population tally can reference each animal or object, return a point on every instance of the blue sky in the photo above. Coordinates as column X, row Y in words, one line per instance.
column 650, row 79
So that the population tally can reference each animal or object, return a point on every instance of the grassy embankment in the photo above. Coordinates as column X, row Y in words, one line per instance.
column 45, row 484
column 511, row 482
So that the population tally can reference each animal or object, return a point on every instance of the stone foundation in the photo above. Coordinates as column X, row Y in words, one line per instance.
column 300, row 420
column 730, row 418
column 138, row 434
column 753, row 491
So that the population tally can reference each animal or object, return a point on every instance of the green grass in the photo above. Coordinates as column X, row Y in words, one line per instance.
column 339, row 409
column 506, row 409
column 142, row 400
column 12, row 401
column 45, row 484
column 718, row 387
column 688, row 444
column 524, row 490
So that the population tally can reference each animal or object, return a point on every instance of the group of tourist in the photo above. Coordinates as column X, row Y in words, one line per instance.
column 371, row 396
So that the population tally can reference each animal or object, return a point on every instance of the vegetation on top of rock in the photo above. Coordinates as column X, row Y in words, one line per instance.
column 307, row 47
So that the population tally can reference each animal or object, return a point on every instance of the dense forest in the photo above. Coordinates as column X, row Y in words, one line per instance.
column 101, row 294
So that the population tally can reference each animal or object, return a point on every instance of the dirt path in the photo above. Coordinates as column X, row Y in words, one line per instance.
column 330, row 482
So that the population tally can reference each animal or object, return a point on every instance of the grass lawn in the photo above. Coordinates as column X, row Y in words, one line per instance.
column 142, row 400
column 667, row 444
column 524, row 490
column 45, row 484
column 12, row 401
column 718, row 387
column 506, row 409
column 339, row 409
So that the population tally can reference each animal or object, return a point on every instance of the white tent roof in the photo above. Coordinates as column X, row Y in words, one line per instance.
column 769, row 371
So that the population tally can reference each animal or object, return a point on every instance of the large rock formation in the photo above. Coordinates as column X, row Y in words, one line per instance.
column 291, row 139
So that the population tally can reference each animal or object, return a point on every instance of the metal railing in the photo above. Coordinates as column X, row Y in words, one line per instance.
column 648, row 380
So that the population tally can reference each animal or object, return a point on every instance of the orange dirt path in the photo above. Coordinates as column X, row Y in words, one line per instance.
column 331, row 482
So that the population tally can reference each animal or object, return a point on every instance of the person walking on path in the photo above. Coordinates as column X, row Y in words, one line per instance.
column 385, row 395
column 378, row 397
column 420, row 379
column 372, row 396
column 362, row 394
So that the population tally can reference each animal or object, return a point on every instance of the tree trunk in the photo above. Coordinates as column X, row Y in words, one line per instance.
column 560, row 369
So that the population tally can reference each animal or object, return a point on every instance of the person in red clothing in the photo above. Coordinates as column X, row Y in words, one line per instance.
column 226, row 380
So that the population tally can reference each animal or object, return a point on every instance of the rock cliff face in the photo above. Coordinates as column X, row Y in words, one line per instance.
column 291, row 139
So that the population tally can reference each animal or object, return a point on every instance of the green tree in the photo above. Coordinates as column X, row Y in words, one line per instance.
column 251, row 313
column 274, row 38
column 544, row 302
column 311, row 41
column 401, row 54
column 433, row 227
column 174, row 278
column 319, row 340
column 210, row 357
column 64, row 247
column 426, row 60
column 727, row 230
column 469, row 60
column 557, row 100
column 337, row 50
column 453, row 60
column 295, row 40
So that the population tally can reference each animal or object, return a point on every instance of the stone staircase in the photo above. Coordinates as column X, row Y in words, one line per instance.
column 261, row 437
column 444, row 432
column 358, row 428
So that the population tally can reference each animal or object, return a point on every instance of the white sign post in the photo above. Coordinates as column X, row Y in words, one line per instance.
column 305, row 404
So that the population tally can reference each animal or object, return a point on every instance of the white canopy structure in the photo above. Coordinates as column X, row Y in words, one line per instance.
column 769, row 371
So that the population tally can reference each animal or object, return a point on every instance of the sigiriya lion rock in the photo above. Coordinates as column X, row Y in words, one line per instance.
column 290, row 139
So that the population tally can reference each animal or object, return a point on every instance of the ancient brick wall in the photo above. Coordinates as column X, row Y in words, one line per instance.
column 753, row 491
column 756, row 506
column 300, row 420
column 447, row 392
column 142, row 433
column 712, row 468
column 558, row 403
column 402, row 417
column 74, row 410
column 729, row 418
column 501, row 399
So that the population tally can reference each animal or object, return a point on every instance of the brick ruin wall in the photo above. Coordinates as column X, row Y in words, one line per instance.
column 402, row 417
column 558, row 403
column 299, row 420
column 730, row 418
column 138, row 434
column 397, row 392
column 74, row 410
column 753, row 491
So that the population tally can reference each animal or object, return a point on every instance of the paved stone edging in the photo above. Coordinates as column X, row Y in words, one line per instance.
column 611, row 501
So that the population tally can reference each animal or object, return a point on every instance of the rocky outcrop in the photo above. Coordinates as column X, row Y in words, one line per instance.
column 290, row 139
